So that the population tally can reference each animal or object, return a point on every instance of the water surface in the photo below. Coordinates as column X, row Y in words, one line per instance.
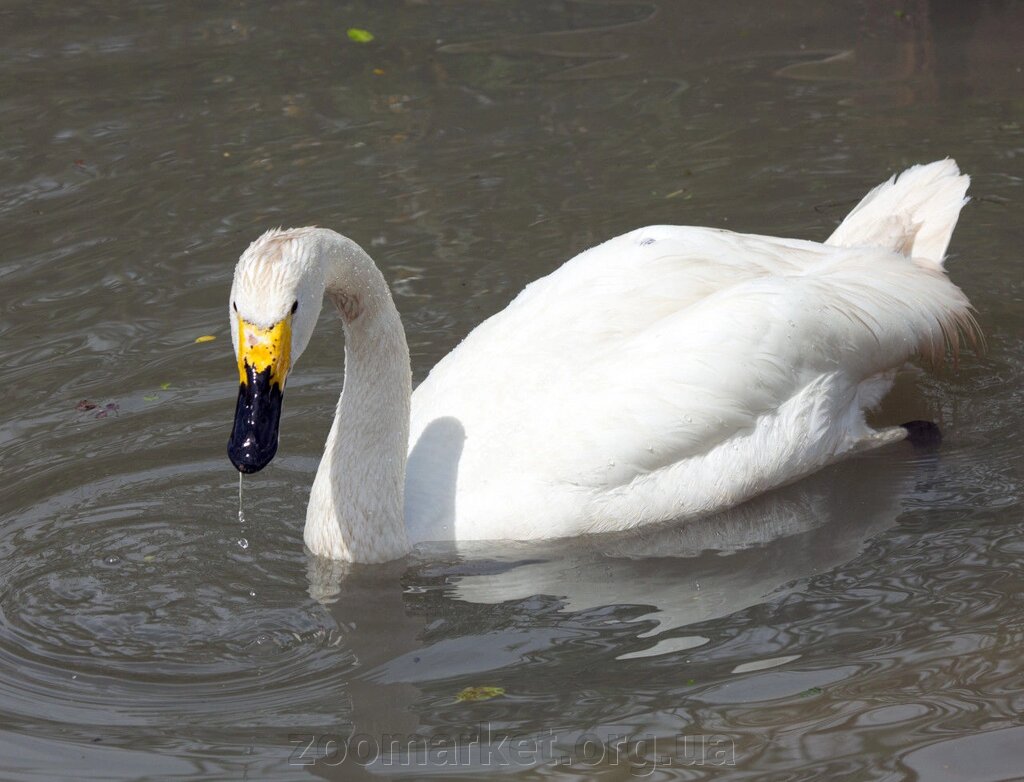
column 864, row 623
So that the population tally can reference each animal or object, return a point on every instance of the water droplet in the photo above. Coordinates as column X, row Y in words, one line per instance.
column 112, row 559
column 243, row 543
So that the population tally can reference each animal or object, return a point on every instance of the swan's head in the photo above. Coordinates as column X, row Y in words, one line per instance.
column 275, row 301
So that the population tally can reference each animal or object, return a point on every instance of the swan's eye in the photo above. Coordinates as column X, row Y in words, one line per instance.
column 295, row 306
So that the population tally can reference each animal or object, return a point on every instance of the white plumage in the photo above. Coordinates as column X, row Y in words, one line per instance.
column 669, row 372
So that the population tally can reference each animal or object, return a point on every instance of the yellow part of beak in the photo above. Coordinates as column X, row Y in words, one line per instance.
column 260, row 349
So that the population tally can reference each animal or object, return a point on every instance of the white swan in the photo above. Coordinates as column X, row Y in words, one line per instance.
column 666, row 373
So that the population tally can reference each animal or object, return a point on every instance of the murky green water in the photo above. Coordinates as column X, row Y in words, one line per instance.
column 864, row 624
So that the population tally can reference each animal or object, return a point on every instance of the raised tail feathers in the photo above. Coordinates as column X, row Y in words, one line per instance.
column 913, row 213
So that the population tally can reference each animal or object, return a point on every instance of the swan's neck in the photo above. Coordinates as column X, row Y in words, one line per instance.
column 355, row 508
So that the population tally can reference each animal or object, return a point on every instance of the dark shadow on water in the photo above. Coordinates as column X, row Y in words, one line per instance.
column 922, row 52
column 367, row 604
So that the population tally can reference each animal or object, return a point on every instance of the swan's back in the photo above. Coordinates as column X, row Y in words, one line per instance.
column 673, row 371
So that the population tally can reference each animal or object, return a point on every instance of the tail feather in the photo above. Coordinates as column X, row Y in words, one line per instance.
column 913, row 213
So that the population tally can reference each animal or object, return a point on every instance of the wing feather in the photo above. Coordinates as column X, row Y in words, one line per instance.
column 639, row 354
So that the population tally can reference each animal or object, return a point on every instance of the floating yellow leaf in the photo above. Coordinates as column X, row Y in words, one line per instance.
column 165, row 386
column 206, row 338
column 470, row 694
column 378, row 71
column 359, row 36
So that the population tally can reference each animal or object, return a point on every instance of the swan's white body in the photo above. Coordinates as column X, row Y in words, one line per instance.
column 666, row 373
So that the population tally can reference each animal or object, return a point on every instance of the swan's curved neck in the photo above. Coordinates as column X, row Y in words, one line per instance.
column 355, row 508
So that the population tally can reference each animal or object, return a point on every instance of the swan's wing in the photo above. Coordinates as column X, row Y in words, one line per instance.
column 620, row 287
column 636, row 358
column 700, row 375
column 600, row 299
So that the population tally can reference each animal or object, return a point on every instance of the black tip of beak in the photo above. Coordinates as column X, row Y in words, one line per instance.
column 253, row 442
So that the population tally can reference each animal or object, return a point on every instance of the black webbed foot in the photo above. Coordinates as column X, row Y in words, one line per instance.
column 923, row 434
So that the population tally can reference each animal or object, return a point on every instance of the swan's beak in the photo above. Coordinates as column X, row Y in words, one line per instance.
column 264, row 357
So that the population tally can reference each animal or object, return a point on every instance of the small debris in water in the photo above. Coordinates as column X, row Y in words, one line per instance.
column 205, row 338
column 110, row 407
column 149, row 558
column 111, row 559
column 252, row 593
column 359, row 36
column 471, row 694
column 243, row 543
column 164, row 386
column 84, row 405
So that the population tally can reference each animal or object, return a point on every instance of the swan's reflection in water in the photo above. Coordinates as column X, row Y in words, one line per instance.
column 673, row 577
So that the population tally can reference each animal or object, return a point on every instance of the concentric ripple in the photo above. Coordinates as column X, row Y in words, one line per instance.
column 125, row 605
